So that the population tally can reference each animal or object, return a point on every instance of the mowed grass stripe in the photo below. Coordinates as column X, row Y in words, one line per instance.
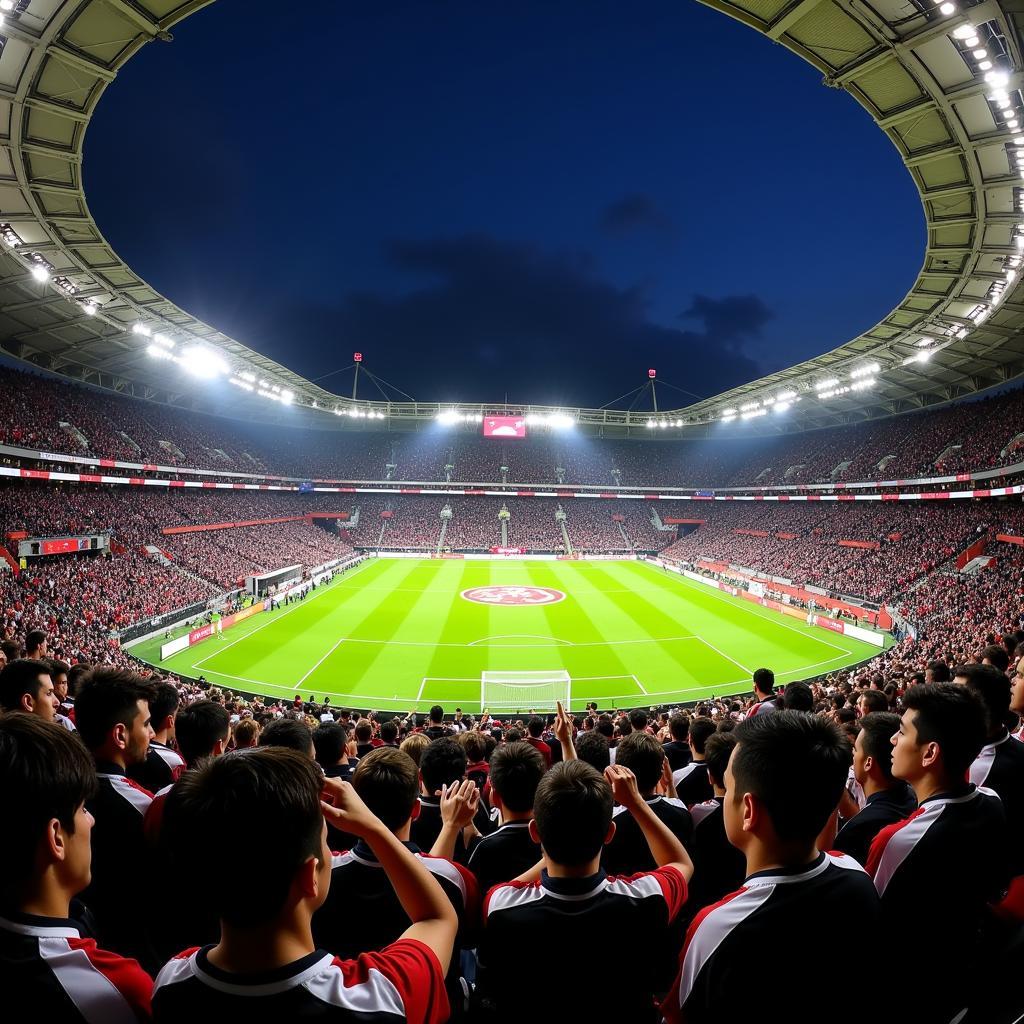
column 742, row 633
column 672, row 666
column 581, row 619
column 286, row 650
column 389, row 665
column 464, row 621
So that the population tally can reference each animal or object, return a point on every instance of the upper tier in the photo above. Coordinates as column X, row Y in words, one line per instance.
column 54, row 416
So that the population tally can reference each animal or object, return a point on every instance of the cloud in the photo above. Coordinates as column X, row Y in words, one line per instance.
column 486, row 317
column 636, row 213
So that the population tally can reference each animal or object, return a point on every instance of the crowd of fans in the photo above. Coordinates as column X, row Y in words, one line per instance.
column 913, row 537
column 55, row 416
column 314, row 862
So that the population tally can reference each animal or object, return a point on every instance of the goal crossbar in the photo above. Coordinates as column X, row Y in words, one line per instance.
column 515, row 691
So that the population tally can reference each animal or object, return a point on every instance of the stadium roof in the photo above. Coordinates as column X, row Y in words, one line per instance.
column 942, row 80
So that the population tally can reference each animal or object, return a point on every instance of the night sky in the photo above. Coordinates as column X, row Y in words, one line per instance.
column 537, row 200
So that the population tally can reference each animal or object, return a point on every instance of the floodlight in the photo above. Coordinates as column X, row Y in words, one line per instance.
column 40, row 273
column 203, row 362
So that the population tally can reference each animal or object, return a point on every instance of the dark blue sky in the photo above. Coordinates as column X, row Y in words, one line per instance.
column 542, row 199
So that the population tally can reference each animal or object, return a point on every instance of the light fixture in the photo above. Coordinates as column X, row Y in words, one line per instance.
column 985, row 65
column 980, row 54
column 203, row 362
column 824, row 385
column 40, row 273
column 89, row 308
column 947, row 9
column 971, row 41
column 963, row 32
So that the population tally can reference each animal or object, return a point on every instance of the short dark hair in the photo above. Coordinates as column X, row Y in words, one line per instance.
column 593, row 748
column 437, row 713
column 874, row 701
column 258, row 799
column 108, row 697
column 939, row 671
column 76, row 676
column 199, row 727
column 605, row 728
column 717, row 751
column 287, row 732
column 363, row 730
column 572, row 809
column 638, row 719
column 442, row 763
column 516, row 771
column 797, row 765
column 389, row 783
column 164, row 701
column 535, row 726
column 876, row 733
column 45, row 773
column 20, row 677
column 679, row 727
column 473, row 744
column 993, row 688
column 389, row 731
column 329, row 742
column 952, row 716
column 644, row 756
column 57, row 667
column 34, row 639
column 700, row 730
column 998, row 655
column 798, row 697
column 764, row 680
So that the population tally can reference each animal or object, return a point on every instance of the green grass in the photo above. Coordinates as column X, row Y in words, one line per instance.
column 396, row 634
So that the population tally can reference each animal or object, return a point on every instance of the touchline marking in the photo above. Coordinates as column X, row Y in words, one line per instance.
column 520, row 647
column 785, row 625
column 276, row 618
column 298, row 685
column 722, row 654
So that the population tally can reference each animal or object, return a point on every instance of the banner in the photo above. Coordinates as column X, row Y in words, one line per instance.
column 168, row 530
column 166, row 650
column 508, row 551
column 832, row 624
column 199, row 634
column 1010, row 538
column 872, row 545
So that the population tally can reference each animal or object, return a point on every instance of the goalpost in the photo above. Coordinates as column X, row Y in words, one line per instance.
column 523, row 691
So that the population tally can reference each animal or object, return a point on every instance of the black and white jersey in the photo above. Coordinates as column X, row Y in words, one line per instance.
column 693, row 784
column 936, row 872
column 572, row 926
column 880, row 810
column 362, row 912
column 628, row 852
column 1000, row 768
column 400, row 983
column 427, row 827
column 718, row 867
column 120, row 862
column 503, row 855
column 830, row 902
column 678, row 753
column 161, row 767
column 54, row 974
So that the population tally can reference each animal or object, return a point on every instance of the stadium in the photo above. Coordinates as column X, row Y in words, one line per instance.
column 191, row 526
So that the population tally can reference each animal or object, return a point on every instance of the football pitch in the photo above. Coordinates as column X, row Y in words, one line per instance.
column 403, row 634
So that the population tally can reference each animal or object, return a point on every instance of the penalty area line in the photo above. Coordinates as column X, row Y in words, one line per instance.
column 319, row 663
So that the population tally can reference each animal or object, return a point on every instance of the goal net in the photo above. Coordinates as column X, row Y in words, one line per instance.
column 524, row 691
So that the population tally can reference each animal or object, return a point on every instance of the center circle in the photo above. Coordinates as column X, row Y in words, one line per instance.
column 510, row 596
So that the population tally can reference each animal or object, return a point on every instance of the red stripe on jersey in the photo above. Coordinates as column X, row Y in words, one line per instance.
column 186, row 953
column 505, row 885
column 879, row 843
column 134, row 984
column 415, row 972
column 469, row 885
column 670, row 881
